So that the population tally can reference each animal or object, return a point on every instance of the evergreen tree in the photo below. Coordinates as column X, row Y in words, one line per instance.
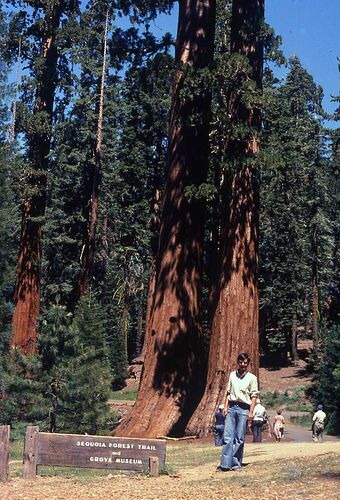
column 24, row 395
column 38, row 28
column 135, row 120
column 9, row 216
column 327, row 385
column 80, row 381
column 295, row 198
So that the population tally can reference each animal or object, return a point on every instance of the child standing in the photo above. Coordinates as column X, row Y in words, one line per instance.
column 279, row 425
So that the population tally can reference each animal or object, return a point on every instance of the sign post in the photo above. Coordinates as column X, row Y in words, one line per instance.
column 4, row 452
column 96, row 452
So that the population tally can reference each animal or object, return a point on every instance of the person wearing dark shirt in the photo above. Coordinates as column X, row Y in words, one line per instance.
column 219, row 425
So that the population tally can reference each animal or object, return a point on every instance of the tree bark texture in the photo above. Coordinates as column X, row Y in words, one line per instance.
column 315, row 292
column 155, row 228
column 235, row 296
column 27, row 287
column 88, row 253
column 172, row 354
column 295, row 355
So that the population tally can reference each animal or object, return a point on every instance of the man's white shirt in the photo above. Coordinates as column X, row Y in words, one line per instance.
column 242, row 388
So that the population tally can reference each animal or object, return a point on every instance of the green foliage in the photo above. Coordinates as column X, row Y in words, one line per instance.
column 327, row 380
column 66, row 387
column 24, row 392
column 296, row 234
column 79, row 370
column 9, row 217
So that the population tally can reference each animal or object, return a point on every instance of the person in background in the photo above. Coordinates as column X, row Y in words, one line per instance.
column 279, row 425
column 242, row 392
column 219, row 425
column 260, row 417
column 318, row 425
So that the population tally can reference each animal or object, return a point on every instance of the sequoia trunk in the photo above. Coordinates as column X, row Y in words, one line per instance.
column 235, row 296
column 27, row 287
column 172, row 353
column 315, row 292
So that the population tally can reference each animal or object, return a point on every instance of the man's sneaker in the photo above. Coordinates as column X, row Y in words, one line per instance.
column 222, row 469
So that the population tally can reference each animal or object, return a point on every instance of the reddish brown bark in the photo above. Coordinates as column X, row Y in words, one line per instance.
column 88, row 253
column 172, row 358
column 315, row 293
column 155, row 227
column 27, row 288
column 295, row 355
column 235, row 298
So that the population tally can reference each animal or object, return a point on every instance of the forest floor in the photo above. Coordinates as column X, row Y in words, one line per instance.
column 286, row 470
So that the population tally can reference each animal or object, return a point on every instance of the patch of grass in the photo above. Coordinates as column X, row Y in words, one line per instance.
column 128, row 394
column 300, row 407
column 192, row 455
column 287, row 398
column 304, row 421
column 291, row 473
column 16, row 449
column 167, row 470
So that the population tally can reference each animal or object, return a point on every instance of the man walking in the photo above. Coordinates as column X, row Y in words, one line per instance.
column 318, row 425
column 242, row 392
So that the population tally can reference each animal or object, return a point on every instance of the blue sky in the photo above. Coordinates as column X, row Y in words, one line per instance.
column 310, row 29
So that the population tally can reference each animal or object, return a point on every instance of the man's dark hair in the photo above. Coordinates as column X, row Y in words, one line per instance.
column 243, row 356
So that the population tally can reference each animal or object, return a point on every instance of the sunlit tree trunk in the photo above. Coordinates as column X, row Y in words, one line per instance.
column 172, row 354
column 27, row 287
column 315, row 293
column 235, row 295
column 155, row 227
column 295, row 356
column 88, row 252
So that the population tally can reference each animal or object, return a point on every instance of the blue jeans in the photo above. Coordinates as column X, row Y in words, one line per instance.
column 234, row 436
column 219, row 431
column 257, row 431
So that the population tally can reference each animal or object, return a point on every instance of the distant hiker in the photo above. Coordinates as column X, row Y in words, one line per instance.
column 279, row 425
column 260, row 418
column 242, row 392
column 219, row 425
column 318, row 425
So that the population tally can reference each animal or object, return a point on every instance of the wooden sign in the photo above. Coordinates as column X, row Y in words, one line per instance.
column 97, row 452
column 4, row 451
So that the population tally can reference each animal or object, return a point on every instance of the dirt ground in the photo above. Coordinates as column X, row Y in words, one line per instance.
column 272, row 471
column 285, row 379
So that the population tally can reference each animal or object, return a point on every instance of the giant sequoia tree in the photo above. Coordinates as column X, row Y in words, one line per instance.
column 235, row 294
column 43, row 65
column 172, row 354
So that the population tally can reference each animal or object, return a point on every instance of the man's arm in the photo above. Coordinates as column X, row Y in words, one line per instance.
column 252, row 406
column 254, row 393
column 226, row 399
